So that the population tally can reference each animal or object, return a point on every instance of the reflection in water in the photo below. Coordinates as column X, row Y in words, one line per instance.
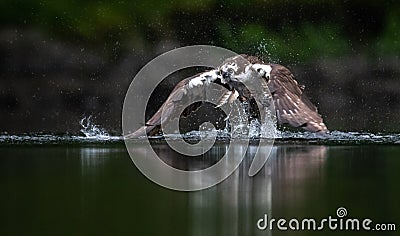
column 93, row 157
column 96, row 190
column 292, row 167
column 240, row 200
column 94, row 160
column 179, row 161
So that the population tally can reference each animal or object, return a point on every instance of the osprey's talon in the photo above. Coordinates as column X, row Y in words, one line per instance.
column 228, row 97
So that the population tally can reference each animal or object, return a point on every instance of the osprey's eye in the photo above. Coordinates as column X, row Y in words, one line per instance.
column 230, row 71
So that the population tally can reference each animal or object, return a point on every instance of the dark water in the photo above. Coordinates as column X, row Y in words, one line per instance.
column 94, row 189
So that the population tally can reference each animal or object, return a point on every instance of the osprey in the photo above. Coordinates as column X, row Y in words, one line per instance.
column 291, row 105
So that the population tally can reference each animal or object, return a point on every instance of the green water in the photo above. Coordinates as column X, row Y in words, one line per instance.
column 95, row 189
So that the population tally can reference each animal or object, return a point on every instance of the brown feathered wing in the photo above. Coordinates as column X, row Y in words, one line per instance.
column 291, row 104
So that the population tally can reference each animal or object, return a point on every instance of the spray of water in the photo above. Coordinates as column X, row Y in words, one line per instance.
column 265, row 50
column 94, row 133
column 91, row 130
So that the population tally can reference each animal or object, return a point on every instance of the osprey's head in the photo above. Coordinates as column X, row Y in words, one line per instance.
column 234, row 68
column 228, row 71
column 242, row 68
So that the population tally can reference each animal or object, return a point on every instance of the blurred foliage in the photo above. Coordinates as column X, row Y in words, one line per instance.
column 307, row 42
column 389, row 40
column 282, row 31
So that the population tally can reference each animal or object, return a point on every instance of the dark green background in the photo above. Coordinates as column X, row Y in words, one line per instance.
column 61, row 60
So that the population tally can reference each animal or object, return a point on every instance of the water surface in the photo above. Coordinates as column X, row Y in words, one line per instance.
column 81, row 188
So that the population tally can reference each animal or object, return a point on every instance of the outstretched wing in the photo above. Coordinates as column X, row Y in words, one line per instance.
column 291, row 104
column 192, row 88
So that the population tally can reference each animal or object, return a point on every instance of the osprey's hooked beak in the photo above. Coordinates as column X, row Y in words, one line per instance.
column 226, row 76
column 229, row 77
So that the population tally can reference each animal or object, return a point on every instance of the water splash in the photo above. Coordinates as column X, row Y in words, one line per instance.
column 254, row 128
column 282, row 137
column 92, row 134
column 265, row 50
column 91, row 130
column 95, row 134
column 338, row 137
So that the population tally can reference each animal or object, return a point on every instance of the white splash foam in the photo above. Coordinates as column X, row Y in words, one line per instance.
column 90, row 130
